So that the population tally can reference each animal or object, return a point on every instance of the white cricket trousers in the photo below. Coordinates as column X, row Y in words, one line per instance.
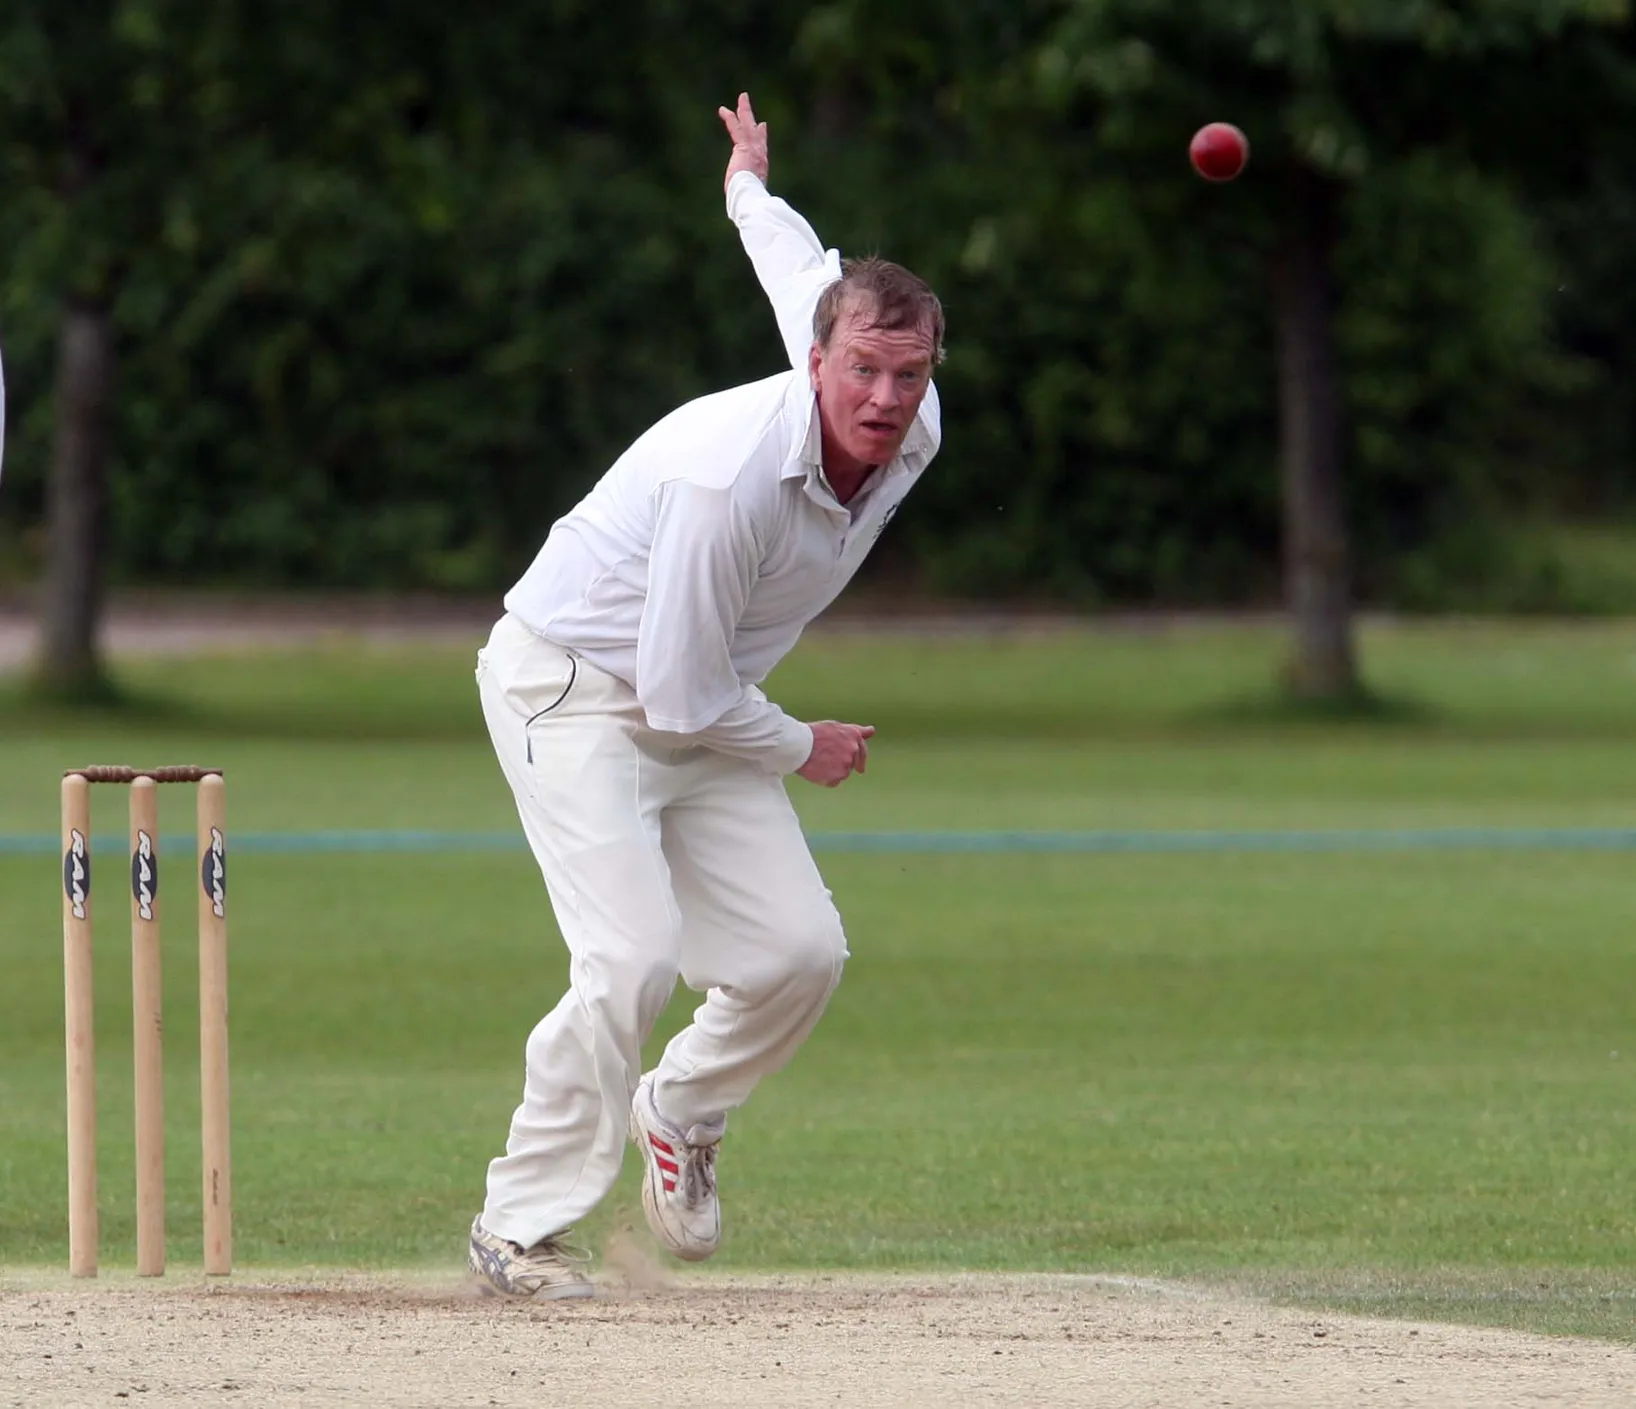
column 663, row 859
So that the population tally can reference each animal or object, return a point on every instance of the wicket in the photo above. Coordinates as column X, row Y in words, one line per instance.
column 146, row 1015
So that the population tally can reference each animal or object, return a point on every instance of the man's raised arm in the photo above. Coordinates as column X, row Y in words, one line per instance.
column 789, row 260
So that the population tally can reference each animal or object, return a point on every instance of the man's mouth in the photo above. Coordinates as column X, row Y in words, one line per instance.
column 880, row 429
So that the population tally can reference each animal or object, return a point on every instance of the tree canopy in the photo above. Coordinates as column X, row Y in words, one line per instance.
column 386, row 291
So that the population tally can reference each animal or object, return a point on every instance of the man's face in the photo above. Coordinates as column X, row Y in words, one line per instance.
column 870, row 383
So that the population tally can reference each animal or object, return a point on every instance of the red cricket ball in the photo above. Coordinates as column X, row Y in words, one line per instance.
column 1219, row 151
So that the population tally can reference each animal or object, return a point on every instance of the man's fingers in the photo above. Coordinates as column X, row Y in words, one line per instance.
column 742, row 126
column 860, row 753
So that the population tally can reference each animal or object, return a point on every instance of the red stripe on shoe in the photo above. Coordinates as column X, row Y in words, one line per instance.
column 670, row 1186
column 668, row 1165
column 659, row 1144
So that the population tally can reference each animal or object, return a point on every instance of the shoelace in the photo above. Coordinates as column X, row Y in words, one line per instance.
column 698, row 1172
column 555, row 1248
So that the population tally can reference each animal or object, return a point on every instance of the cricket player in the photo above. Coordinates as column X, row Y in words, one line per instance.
column 621, row 692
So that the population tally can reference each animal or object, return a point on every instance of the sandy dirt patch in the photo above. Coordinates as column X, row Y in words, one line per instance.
column 264, row 1340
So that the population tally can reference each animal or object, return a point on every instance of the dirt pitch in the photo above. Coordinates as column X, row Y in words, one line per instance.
column 912, row 1340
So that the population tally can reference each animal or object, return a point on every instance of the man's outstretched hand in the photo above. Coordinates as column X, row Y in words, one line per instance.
column 749, row 141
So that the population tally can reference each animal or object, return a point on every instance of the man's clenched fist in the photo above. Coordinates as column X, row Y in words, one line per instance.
column 838, row 751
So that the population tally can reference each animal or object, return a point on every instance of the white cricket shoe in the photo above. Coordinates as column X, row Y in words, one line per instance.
column 678, row 1178
column 550, row 1270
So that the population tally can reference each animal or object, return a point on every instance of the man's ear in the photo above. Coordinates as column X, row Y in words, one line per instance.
column 814, row 360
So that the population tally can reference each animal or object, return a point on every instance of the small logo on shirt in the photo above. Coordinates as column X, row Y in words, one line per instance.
column 886, row 518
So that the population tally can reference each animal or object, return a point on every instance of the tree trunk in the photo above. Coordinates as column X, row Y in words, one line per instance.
column 69, row 663
column 1317, row 570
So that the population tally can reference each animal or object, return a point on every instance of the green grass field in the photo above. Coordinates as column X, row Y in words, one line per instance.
column 1400, row 1081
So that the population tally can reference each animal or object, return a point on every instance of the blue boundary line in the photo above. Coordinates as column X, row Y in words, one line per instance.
column 935, row 842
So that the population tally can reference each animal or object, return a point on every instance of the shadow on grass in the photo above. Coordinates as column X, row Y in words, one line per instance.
column 179, row 712
column 430, row 697
column 291, row 709
column 1386, row 716
column 25, row 705
column 1365, row 709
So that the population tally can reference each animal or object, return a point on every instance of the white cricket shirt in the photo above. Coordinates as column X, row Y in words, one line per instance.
column 693, row 565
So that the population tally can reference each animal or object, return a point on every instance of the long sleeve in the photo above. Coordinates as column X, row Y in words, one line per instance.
column 789, row 260
column 703, row 562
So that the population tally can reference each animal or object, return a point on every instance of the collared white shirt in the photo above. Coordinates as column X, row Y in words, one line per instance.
column 693, row 565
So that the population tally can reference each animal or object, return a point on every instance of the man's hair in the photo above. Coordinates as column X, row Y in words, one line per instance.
column 897, row 298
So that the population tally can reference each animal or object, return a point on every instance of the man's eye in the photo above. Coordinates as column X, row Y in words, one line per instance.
column 863, row 369
column 910, row 378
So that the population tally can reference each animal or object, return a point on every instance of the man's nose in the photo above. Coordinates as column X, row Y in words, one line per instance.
column 886, row 391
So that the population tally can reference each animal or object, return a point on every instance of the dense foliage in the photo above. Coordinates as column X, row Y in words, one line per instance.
column 389, row 291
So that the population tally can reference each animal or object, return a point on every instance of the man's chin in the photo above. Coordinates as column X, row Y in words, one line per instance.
column 878, row 449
